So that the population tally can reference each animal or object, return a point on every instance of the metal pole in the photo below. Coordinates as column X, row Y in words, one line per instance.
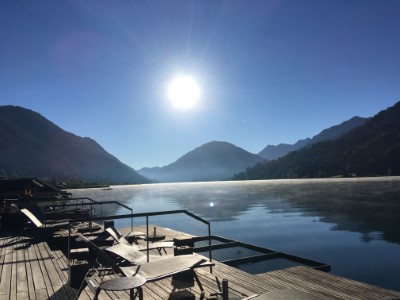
column 131, row 221
column 225, row 289
column 45, row 218
column 69, row 253
column 209, row 245
column 147, row 234
column 91, row 216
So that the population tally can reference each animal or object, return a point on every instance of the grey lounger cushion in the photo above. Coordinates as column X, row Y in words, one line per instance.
column 166, row 267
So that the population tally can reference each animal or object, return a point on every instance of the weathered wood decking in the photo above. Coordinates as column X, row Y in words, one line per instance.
column 33, row 268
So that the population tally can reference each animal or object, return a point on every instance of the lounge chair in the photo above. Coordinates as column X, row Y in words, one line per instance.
column 152, row 271
column 283, row 294
column 32, row 217
column 35, row 226
column 132, row 235
column 36, row 219
column 101, row 239
column 122, row 240
column 131, row 254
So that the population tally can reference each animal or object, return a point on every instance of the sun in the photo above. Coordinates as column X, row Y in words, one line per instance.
column 183, row 92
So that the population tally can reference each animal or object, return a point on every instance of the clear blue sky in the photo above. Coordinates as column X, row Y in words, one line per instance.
column 270, row 71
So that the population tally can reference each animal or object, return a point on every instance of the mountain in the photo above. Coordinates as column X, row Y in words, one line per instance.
column 272, row 152
column 212, row 161
column 369, row 150
column 32, row 146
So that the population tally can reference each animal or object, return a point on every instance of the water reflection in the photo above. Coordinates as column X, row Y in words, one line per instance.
column 368, row 206
column 350, row 223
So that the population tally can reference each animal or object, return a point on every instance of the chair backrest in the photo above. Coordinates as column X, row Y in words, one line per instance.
column 104, row 257
column 116, row 235
column 32, row 217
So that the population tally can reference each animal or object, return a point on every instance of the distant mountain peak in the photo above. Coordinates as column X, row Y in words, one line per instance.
column 215, row 160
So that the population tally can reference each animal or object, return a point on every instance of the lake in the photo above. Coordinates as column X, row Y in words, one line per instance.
column 351, row 224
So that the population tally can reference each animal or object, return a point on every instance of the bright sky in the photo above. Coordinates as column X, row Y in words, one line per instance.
column 266, row 72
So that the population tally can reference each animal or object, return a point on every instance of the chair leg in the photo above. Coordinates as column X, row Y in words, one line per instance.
column 81, row 288
column 96, row 293
column 139, row 293
column 198, row 281
column 223, row 289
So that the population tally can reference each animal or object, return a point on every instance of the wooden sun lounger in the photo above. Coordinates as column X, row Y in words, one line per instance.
column 122, row 240
column 34, row 215
column 32, row 218
column 132, row 255
column 152, row 271
column 117, row 235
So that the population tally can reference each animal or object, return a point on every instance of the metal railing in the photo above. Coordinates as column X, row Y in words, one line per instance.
column 138, row 215
column 92, row 204
column 79, row 202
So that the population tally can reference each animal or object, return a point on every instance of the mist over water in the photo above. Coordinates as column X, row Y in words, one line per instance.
column 351, row 224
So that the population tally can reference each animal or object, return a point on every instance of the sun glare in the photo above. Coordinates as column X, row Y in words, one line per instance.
column 183, row 92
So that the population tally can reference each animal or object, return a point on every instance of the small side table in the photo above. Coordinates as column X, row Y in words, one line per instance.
column 123, row 284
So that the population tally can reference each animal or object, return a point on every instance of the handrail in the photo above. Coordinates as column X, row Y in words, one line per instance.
column 137, row 215
column 118, row 203
column 93, row 202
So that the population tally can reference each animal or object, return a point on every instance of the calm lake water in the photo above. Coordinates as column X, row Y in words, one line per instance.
column 352, row 224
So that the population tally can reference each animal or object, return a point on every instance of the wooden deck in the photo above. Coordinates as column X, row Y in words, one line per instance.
column 31, row 270
column 34, row 268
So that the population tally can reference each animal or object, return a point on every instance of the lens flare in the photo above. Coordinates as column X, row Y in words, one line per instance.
column 183, row 92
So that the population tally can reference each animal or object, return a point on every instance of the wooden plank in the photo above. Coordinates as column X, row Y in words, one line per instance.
column 325, row 285
column 5, row 283
column 3, row 243
column 244, row 283
column 22, row 281
column 43, row 272
column 41, row 294
column 13, row 289
column 57, row 259
column 22, row 295
column 60, row 292
column 36, row 271
column 29, row 274
column 3, row 251
column 49, row 267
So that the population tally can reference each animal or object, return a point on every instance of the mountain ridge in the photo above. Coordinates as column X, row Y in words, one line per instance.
column 214, row 160
column 369, row 150
column 271, row 152
column 33, row 146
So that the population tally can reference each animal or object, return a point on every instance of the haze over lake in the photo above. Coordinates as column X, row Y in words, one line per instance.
column 352, row 224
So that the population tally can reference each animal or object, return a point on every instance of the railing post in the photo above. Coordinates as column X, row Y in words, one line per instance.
column 131, row 220
column 91, row 216
column 209, row 245
column 147, row 234
column 45, row 214
column 69, row 253
column 225, row 290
